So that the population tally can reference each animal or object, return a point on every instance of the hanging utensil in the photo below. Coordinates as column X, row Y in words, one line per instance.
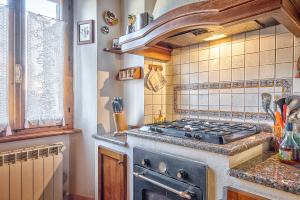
column 280, row 103
column 266, row 103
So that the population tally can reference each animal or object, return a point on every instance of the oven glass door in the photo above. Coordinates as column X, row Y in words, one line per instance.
column 149, row 185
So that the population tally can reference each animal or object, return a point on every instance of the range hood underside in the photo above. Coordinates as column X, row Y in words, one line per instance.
column 193, row 23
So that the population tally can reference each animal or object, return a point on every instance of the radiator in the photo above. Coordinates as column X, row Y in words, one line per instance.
column 34, row 173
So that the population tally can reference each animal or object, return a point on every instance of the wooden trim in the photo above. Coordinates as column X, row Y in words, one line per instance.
column 78, row 197
column 210, row 15
column 239, row 194
column 33, row 135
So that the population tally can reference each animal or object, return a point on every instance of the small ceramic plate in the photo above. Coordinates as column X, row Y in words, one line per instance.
column 110, row 18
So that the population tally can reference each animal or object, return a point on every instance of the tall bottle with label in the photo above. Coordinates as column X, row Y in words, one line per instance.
column 288, row 148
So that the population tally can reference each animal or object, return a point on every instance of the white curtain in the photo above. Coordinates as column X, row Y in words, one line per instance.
column 44, row 104
column 4, row 64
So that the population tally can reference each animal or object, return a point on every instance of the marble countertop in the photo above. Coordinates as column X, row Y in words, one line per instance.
column 119, row 140
column 267, row 170
column 225, row 149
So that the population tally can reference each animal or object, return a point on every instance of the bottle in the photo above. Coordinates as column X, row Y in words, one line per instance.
column 297, row 140
column 288, row 147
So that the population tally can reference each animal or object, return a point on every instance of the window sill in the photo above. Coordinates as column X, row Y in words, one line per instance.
column 34, row 135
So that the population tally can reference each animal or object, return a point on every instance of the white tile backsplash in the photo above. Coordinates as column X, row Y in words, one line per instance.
column 264, row 54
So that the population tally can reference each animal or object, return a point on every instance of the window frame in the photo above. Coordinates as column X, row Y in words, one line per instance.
column 17, row 90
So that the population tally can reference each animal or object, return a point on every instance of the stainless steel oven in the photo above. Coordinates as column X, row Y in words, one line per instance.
column 165, row 177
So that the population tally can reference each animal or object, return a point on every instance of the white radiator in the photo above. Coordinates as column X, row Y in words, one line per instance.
column 34, row 173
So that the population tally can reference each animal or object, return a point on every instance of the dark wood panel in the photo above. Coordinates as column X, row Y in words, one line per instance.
column 112, row 178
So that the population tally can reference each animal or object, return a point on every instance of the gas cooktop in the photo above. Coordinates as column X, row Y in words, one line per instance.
column 216, row 132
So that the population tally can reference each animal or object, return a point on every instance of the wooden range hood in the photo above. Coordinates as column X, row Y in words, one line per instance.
column 194, row 22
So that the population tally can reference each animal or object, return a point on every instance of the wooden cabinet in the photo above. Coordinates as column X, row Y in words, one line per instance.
column 112, row 179
column 235, row 194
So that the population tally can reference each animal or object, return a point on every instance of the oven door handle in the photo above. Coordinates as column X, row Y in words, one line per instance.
column 182, row 194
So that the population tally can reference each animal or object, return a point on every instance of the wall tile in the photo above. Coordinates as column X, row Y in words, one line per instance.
column 252, row 35
column 267, row 71
column 225, row 63
column 252, row 46
column 214, row 99
column 238, row 61
column 284, row 40
column 225, row 75
column 194, row 56
column 251, row 60
column 185, row 68
column 251, row 73
column 251, row 100
column 238, row 48
column 225, row 51
column 284, row 55
column 204, row 54
column 203, row 66
column 214, row 52
column 194, row 67
column 267, row 43
column 214, row 76
column 194, row 78
column 284, row 70
column 266, row 32
column 267, row 57
column 225, row 99
column 238, row 74
column 245, row 59
column 203, row 77
column 214, row 65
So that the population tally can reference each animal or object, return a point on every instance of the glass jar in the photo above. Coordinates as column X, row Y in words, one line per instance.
column 288, row 149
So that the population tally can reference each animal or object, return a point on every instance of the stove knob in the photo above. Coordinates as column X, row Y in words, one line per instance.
column 145, row 162
column 181, row 174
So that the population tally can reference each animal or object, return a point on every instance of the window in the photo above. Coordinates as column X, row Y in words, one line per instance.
column 34, row 71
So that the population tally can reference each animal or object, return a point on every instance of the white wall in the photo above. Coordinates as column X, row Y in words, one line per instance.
column 133, row 91
column 108, row 66
column 85, row 105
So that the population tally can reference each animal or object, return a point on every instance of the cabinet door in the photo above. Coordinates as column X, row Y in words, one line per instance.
column 112, row 169
column 235, row 194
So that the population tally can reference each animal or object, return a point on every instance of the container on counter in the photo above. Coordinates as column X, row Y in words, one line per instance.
column 288, row 149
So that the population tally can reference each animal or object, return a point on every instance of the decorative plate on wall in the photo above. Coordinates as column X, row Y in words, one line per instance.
column 110, row 18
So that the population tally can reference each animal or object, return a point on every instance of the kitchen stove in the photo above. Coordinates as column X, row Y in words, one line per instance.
column 216, row 132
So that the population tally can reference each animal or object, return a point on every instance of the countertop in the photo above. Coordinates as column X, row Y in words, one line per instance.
column 230, row 149
column 119, row 140
column 267, row 170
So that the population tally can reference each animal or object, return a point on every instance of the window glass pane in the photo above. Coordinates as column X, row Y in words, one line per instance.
column 43, row 7
column 4, row 63
column 44, row 71
column 4, row 2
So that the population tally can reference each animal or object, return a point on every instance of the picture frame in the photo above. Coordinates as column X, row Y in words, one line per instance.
column 85, row 32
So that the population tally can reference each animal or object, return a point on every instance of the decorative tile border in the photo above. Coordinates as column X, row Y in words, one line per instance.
column 285, row 84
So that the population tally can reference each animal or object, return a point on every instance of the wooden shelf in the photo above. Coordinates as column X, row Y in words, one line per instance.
column 116, row 51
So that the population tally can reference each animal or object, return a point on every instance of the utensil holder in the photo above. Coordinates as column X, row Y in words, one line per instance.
column 120, row 122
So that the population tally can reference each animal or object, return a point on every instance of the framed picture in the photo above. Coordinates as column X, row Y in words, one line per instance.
column 85, row 32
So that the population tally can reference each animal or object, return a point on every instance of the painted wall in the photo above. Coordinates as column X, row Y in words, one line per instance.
column 108, row 66
column 85, row 105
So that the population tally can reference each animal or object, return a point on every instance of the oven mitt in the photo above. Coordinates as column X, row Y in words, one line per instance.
column 146, row 81
column 157, row 81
